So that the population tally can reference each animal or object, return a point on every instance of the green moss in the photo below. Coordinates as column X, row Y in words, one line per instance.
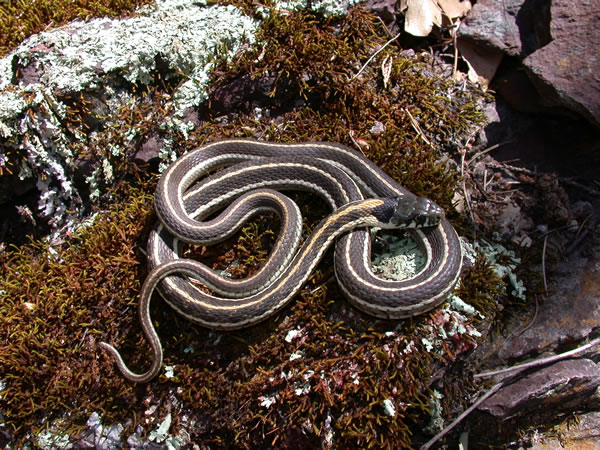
column 336, row 386
column 311, row 61
column 22, row 18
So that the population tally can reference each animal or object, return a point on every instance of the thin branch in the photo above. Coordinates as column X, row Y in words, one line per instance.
column 374, row 55
column 544, row 264
column 387, row 30
column 541, row 361
column 455, row 44
column 464, row 185
column 460, row 418
column 568, row 181
column 582, row 235
column 529, row 325
column 487, row 150
column 501, row 384
column 417, row 128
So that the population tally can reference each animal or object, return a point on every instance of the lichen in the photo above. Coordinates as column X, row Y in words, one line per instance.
column 396, row 257
column 504, row 263
column 86, row 72
column 22, row 18
column 326, row 7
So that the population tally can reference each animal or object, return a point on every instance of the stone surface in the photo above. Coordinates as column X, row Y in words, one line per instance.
column 386, row 9
column 558, row 44
column 566, row 72
column 100, row 61
column 150, row 148
column 517, row 27
column 557, row 388
column 583, row 434
column 569, row 314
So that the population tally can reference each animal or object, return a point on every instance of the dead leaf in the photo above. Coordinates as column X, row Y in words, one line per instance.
column 454, row 8
column 421, row 16
column 482, row 63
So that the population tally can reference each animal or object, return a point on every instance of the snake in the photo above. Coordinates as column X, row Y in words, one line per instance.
column 207, row 194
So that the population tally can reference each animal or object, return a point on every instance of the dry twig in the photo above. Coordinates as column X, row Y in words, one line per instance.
column 374, row 55
column 498, row 386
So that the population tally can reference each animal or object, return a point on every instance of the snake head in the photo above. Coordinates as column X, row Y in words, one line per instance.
column 412, row 211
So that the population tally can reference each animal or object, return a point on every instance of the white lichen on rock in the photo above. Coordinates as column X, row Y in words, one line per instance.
column 326, row 7
column 504, row 262
column 400, row 256
column 107, row 57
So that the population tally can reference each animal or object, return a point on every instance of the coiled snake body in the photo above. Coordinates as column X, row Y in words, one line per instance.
column 359, row 194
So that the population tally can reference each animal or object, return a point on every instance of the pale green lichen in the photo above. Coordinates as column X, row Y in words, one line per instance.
column 451, row 322
column 388, row 407
column 51, row 439
column 436, row 423
column 296, row 355
column 326, row 7
column 459, row 305
column 169, row 371
column 160, row 434
column 505, row 263
column 167, row 155
column 292, row 334
column 267, row 401
column 399, row 257
column 97, row 56
column 171, row 29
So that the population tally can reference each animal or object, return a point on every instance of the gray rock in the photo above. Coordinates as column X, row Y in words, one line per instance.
column 548, row 391
column 92, row 67
column 566, row 71
column 569, row 314
column 516, row 27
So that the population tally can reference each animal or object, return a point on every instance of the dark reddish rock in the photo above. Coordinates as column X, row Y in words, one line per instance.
column 581, row 434
column 561, row 387
column 587, row 428
column 566, row 72
column 558, row 43
column 569, row 314
column 516, row 27
column 150, row 148
column 242, row 91
column 386, row 9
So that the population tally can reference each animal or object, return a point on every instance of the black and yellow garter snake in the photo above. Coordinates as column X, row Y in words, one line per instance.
column 359, row 194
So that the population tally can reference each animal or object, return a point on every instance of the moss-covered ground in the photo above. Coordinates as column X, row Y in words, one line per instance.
column 317, row 374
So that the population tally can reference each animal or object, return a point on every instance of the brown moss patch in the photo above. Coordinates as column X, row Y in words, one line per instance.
column 56, row 302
